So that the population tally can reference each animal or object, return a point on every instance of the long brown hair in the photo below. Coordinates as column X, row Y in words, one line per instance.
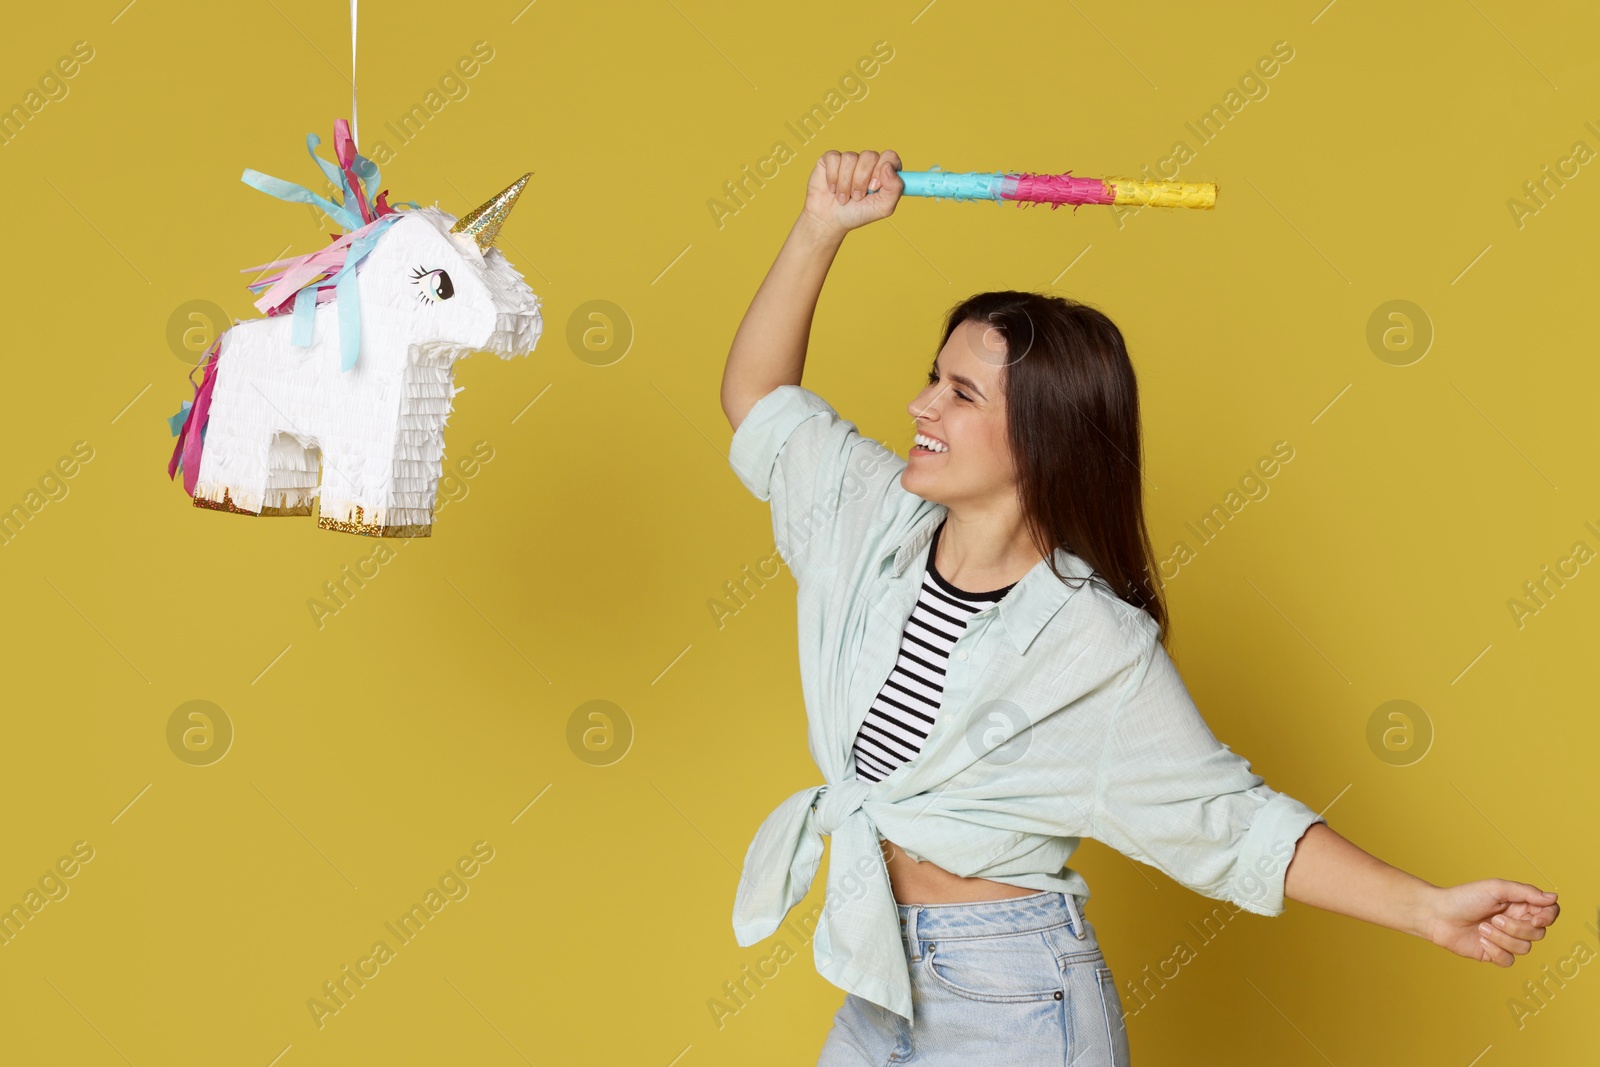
column 1072, row 404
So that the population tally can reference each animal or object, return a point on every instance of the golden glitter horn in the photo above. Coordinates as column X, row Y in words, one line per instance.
column 483, row 223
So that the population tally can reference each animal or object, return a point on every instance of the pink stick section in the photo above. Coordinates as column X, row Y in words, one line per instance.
column 1057, row 189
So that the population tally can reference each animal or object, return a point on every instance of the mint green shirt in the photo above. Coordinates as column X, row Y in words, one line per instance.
column 1063, row 718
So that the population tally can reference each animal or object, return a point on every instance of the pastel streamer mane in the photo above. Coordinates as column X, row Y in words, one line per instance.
column 302, row 282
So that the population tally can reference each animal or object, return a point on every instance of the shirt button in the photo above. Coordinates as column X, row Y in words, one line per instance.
column 961, row 655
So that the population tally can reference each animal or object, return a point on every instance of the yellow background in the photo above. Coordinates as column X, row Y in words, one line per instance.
column 434, row 709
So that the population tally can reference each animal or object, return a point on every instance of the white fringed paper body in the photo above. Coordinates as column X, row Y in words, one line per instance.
column 286, row 424
column 282, row 424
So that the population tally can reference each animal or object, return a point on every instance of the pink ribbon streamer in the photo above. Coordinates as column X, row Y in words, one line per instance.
column 300, row 271
column 191, row 437
column 344, row 149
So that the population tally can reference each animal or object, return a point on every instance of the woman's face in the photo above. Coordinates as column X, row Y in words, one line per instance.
column 963, row 407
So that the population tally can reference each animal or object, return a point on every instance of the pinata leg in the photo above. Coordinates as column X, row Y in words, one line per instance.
column 233, row 472
column 417, row 451
column 294, row 472
column 429, row 390
column 368, row 520
column 338, row 509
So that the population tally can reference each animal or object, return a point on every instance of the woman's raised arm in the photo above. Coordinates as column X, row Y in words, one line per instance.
column 769, row 348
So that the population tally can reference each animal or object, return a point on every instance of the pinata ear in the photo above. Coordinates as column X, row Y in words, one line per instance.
column 483, row 223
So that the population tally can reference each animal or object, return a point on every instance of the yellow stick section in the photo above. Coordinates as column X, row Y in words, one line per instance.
column 1164, row 194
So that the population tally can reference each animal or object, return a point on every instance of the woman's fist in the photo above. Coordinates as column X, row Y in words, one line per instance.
column 1492, row 921
column 850, row 189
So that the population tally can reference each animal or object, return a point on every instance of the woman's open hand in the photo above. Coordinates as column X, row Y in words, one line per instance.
column 1515, row 913
column 837, row 193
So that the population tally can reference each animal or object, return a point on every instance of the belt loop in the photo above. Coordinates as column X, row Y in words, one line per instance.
column 1077, row 916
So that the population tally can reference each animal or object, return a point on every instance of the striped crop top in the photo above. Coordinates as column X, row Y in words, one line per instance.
column 898, row 722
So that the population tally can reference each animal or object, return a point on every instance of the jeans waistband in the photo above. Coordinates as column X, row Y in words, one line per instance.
column 987, row 918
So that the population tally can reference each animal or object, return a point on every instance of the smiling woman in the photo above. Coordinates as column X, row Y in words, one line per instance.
column 1022, row 380
column 987, row 684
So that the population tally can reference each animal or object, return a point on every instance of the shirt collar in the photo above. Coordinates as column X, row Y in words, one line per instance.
column 1030, row 604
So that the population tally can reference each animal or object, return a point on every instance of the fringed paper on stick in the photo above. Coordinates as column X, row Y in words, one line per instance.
column 341, row 393
column 1055, row 189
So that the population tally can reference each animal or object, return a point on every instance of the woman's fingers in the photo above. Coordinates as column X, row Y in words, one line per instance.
column 888, row 169
column 851, row 174
column 1501, row 939
column 846, row 175
column 846, row 178
column 1529, row 929
column 866, row 163
column 1493, row 953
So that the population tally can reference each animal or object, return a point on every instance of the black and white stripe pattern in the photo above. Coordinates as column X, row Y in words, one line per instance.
column 898, row 723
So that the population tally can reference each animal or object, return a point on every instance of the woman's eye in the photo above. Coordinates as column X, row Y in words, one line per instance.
column 435, row 285
column 933, row 379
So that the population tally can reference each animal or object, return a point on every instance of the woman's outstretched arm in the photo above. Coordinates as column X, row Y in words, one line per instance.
column 1492, row 921
column 769, row 348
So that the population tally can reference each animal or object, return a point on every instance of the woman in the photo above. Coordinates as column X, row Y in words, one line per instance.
column 983, row 660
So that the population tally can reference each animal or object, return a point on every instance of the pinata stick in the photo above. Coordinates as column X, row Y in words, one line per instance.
column 1056, row 189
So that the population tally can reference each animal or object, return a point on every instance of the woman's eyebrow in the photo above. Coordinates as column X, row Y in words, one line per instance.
column 962, row 379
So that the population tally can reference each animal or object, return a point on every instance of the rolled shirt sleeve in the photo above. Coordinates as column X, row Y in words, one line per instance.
column 818, row 472
column 1169, row 794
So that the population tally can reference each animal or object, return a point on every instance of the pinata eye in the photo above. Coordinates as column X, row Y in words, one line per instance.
column 435, row 285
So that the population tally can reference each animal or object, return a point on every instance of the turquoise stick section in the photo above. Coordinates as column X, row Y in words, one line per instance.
column 969, row 186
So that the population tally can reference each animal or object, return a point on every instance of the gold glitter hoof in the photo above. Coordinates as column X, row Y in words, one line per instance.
column 373, row 529
column 227, row 504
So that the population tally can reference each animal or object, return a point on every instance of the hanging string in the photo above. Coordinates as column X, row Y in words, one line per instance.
column 355, row 127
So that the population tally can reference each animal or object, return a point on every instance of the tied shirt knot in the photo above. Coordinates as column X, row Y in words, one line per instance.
column 836, row 802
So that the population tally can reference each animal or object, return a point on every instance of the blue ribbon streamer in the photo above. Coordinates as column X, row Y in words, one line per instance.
column 344, row 287
column 365, row 169
column 332, row 171
column 175, row 422
column 299, row 194
column 345, row 215
column 305, row 306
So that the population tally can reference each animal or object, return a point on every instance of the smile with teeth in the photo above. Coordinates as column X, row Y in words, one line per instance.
column 929, row 444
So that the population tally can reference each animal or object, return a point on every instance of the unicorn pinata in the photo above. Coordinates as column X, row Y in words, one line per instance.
column 342, row 392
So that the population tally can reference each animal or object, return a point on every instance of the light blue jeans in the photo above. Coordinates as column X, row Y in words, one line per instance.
column 1019, row 982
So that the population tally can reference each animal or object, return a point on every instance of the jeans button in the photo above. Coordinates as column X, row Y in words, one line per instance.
column 1058, row 994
